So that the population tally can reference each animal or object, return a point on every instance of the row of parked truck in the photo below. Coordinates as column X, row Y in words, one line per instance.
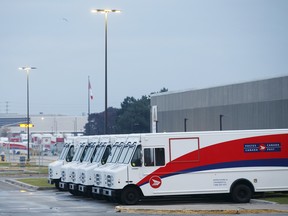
column 133, row 166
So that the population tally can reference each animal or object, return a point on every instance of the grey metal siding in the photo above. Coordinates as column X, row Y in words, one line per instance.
column 254, row 105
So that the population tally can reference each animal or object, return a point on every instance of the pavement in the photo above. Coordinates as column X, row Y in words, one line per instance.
column 256, row 206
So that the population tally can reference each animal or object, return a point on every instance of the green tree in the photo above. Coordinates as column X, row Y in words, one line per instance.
column 95, row 125
column 161, row 91
column 134, row 115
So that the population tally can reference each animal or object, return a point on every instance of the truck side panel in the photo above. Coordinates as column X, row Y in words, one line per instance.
column 262, row 160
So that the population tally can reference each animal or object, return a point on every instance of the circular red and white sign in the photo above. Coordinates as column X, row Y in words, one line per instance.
column 155, row 182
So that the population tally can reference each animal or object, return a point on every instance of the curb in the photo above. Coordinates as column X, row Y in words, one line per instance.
column 254, row 207
column 21, row 184
column 26, row 186
column 123, row 209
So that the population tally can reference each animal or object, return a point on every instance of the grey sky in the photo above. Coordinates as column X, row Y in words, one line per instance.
column 177, row 44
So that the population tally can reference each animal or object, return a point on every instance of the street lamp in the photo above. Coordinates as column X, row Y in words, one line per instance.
column 106, row 12
column 27, row 69
column 221, row 121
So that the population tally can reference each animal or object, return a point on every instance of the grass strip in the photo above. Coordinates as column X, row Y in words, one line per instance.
column 38, row 182
column 278, row 197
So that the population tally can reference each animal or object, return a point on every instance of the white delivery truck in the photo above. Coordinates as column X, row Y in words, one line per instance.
column 238, row 163
column 100, row 158
column 54, row 168
column 66, row 175
column 91, row 150
column 98, row 179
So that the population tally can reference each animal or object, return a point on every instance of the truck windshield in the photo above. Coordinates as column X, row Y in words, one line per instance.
column 106, row 154
column 79, row 152
column 64, row 151
column 95, row 152
column 127, row 153
column 83, row 153
column 90, row 150
column 99, row 153
column 114, row 152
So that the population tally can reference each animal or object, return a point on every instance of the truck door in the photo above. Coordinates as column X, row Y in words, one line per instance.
column 154, row 158
column 165, row 176
column 134, row 168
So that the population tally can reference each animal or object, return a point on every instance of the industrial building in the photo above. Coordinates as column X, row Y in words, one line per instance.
column 259, row 104
column 49, row 124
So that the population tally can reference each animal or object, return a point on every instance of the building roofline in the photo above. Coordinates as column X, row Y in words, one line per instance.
column 211, row 87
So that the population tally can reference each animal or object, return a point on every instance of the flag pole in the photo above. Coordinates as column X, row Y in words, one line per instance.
column 89, row 96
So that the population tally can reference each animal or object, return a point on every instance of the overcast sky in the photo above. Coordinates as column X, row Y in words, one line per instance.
column 176, row 44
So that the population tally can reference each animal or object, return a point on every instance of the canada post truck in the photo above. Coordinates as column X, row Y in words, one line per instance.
column 83, row 172
column 91, row 149
column 102, row 157
column 238, row 163
column 67, row 153
column 98, row 177
column 66, row 172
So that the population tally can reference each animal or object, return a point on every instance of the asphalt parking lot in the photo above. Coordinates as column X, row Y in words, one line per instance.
column 21, row 201
column 18, row 199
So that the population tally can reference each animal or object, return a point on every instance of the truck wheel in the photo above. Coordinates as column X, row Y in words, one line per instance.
column 97, row 196
column 241, row 193
column 74, row 193
column 57, row 185
column 130, row 196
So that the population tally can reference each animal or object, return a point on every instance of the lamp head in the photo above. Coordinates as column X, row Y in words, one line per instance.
column 103, row 11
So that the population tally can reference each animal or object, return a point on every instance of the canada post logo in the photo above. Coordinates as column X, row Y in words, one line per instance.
column 262, row 147
column 155, row 182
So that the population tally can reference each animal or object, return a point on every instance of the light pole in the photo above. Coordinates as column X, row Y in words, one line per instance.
column 106, row 12
column 27, row 69
column 221, row 121
column 185, row 124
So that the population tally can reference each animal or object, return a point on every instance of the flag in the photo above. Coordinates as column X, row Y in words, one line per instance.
column 90, row 90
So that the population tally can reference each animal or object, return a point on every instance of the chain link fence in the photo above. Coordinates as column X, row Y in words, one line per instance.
column 38, row 155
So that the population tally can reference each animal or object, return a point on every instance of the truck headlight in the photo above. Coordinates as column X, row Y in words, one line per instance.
column 73, row 176
column 110, row 180
column 97, row 179
column 82, row 177
column 63, row 176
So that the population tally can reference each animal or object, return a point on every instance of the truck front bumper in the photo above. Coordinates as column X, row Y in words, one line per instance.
column 111, row 192
column 97, row 190
column 85, row 188
column 50, row 181
column 64, row 186
column 73, row 187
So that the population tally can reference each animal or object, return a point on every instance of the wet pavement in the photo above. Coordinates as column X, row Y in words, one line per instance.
column 188, row 205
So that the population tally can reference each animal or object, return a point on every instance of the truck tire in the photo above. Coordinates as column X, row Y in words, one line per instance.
column 130, row 196
column 74, row 193
column 57, row 185
column 241, row 193
column 97, row 196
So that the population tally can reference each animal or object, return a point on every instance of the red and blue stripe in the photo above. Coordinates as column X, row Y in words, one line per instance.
column 225, row 155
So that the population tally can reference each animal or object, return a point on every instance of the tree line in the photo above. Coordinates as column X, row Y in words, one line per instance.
column 132, row 117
